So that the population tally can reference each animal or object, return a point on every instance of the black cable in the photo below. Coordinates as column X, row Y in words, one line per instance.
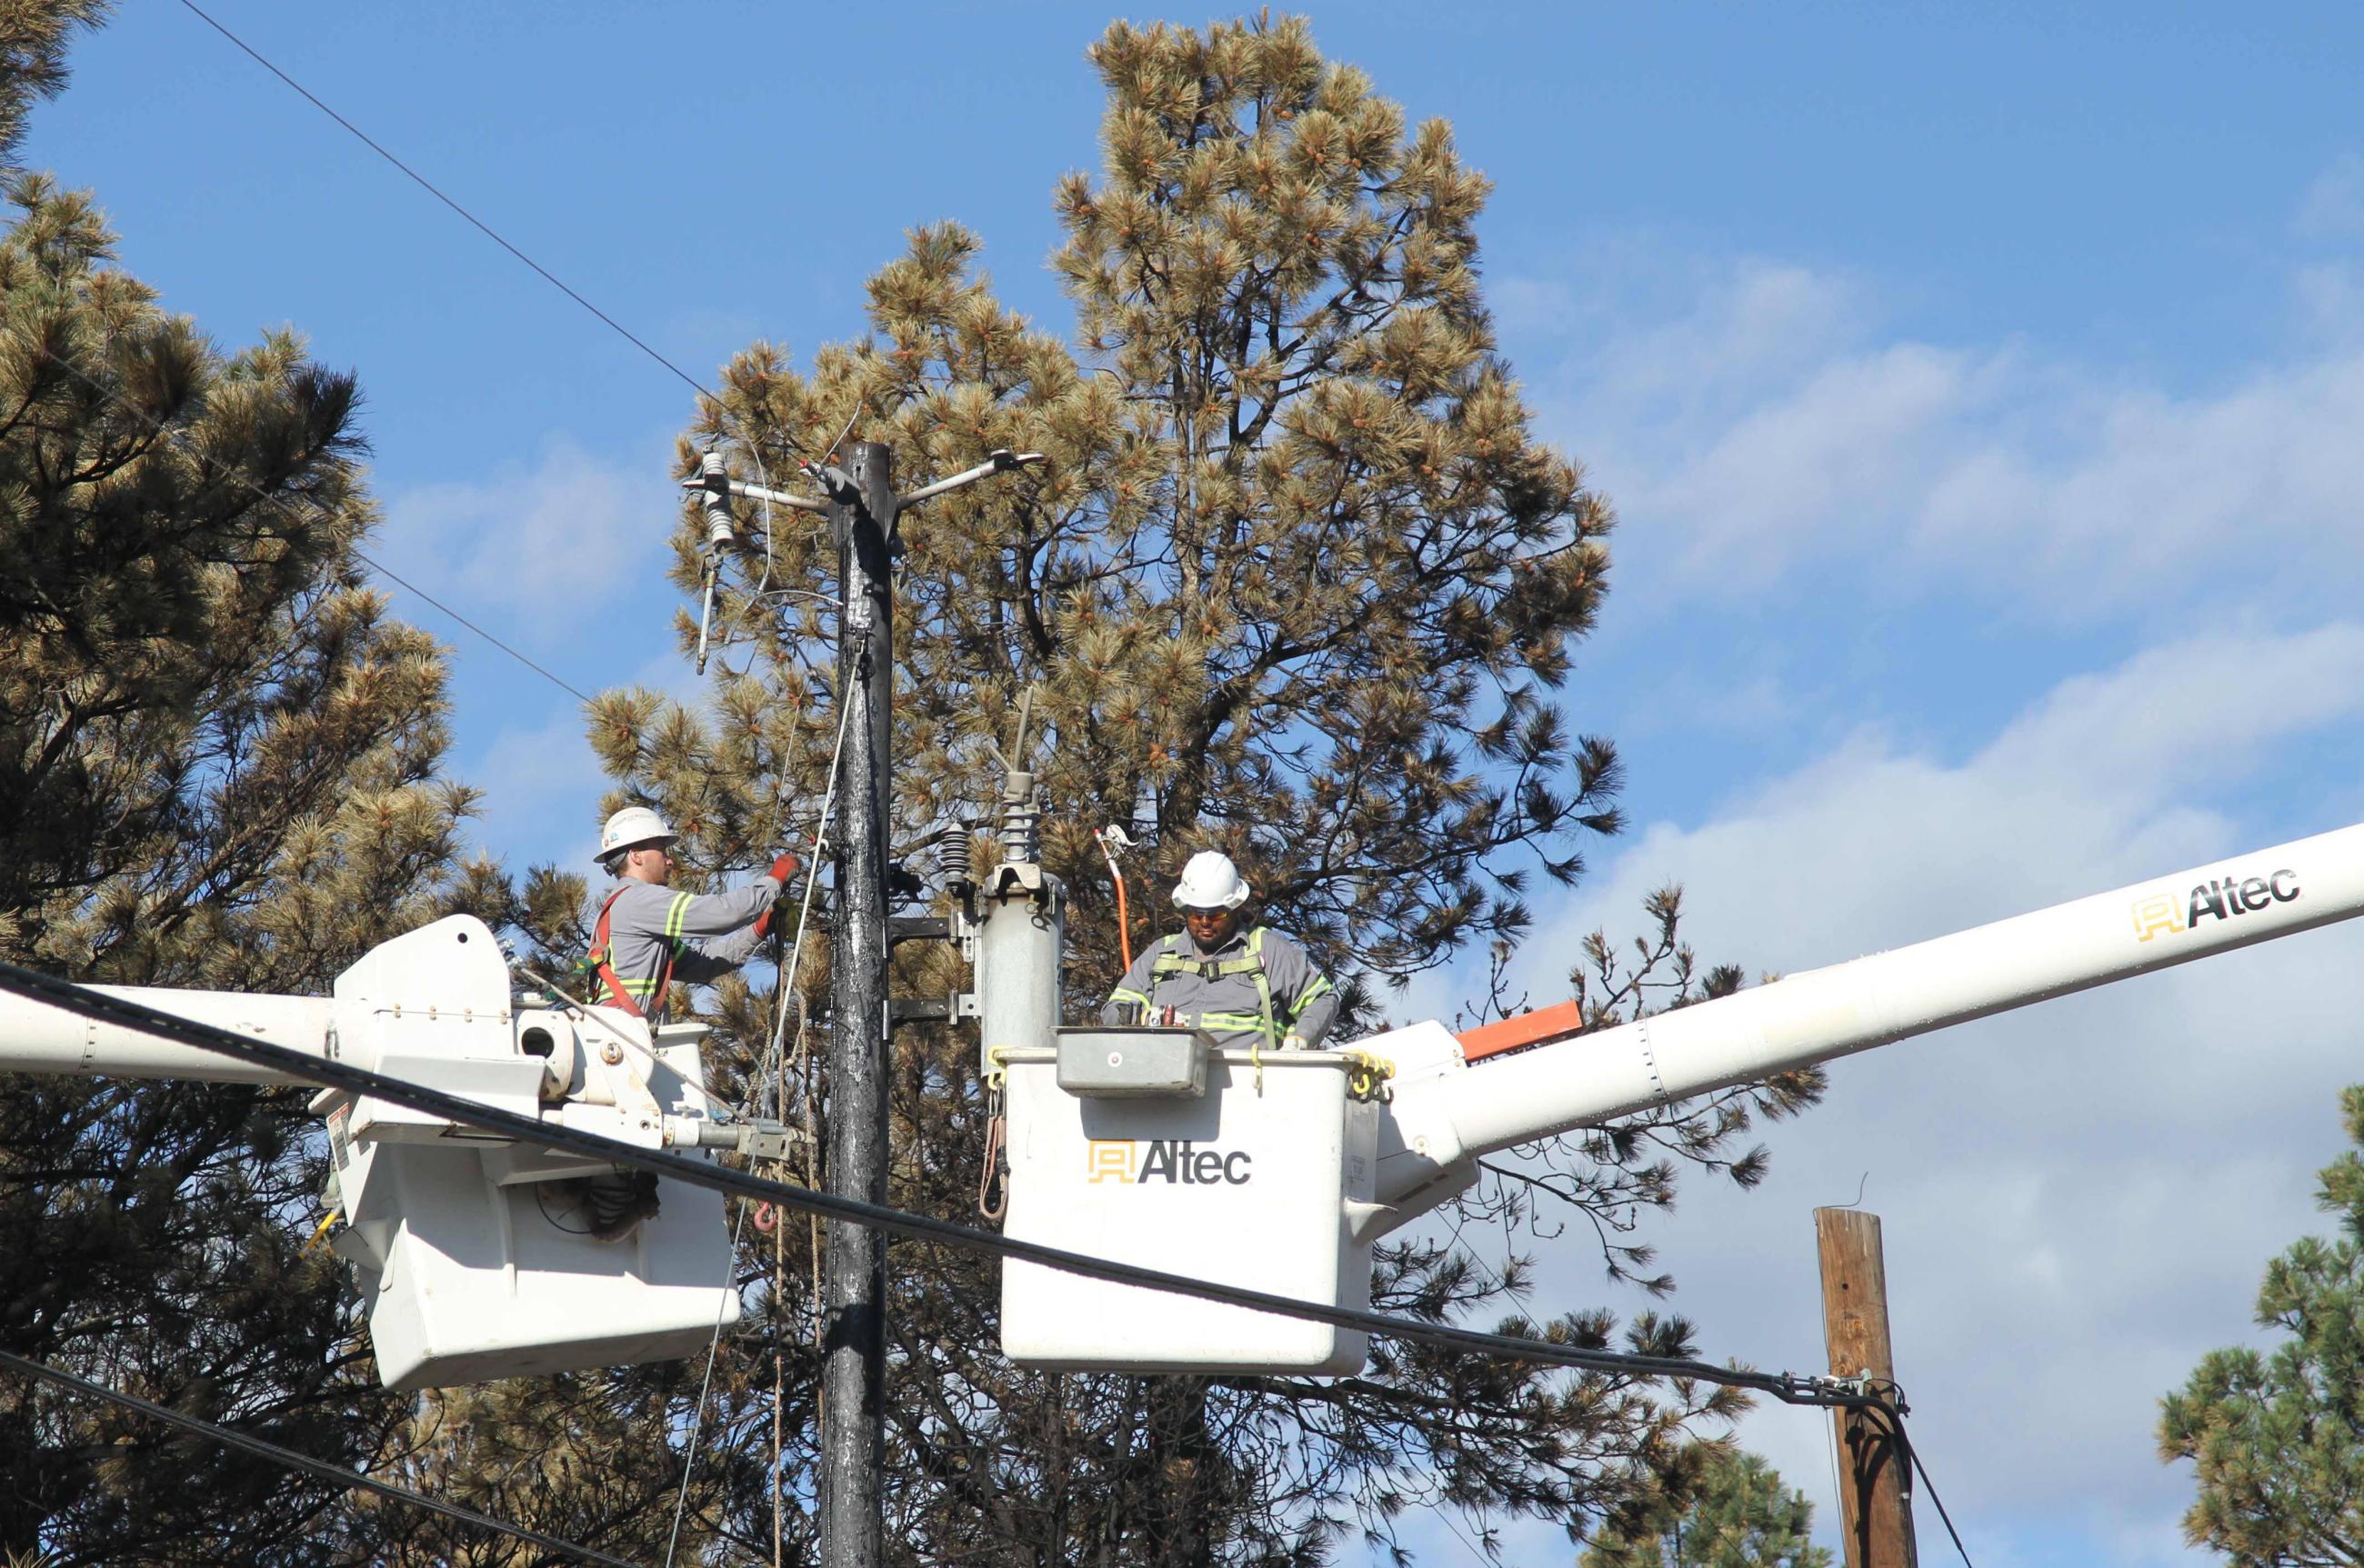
column 541, row 1202
column 309, row 1466
column 379, row 567
column 168, row 433
column 1922, row 1471
column 380, row 571
column 64, row 995
column 1890, row 1407
column 482, row 227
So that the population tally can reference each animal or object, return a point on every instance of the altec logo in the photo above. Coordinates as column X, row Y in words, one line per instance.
column 1165, row 1160
column 2223, row 898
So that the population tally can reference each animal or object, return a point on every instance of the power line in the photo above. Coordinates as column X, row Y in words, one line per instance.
column 1788, row 1387
column 1922, row 1471
column 1890, row 1409
column 1885, row 1403
column 379, row 567
column 754, row 446
column 349, row 1479
column 268, row 499
column 479, row 225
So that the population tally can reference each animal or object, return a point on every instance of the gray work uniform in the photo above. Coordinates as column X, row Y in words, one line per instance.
column 1220, row 993
column 707, row 934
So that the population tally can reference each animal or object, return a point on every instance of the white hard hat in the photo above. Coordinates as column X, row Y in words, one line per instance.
column 1210, row 881
column 631, row 827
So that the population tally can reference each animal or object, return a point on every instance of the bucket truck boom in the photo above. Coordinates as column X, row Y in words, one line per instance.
column 1256, row 1172
column 474, row 1257
column 1467, row 1100
column 1274, row 1170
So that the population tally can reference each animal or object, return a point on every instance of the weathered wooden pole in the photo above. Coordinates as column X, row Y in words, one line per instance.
column 1875, row 1489
column 854, row 1264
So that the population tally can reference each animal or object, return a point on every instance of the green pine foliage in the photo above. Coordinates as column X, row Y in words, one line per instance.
column 33, row 38
column 219, row 768
column 2276, row 1437
column 1297, row 582
column 1722, row 1508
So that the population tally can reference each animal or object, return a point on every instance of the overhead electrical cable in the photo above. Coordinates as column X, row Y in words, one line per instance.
column 380, row 568
column 479, row 224
column 267, row 498
column 1890, row 1410
column 748, row 436
column 1788, row 1387
column 64, row 995
column 1922, row 1471
column 352, row 1479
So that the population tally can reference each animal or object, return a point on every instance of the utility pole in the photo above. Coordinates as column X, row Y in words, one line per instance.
column 861, row 507
column 854, row 1264
column 1875, row 1493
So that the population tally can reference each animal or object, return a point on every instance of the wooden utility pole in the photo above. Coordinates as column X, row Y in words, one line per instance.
column 861, row 509
column 1874, row 1489
column 853, row 1262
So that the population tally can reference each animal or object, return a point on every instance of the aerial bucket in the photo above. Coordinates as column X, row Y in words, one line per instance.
column 1149, row 1146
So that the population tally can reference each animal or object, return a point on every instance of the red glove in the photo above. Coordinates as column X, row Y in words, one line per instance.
column 781, row 869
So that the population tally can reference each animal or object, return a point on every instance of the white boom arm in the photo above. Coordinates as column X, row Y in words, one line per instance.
column 1448, row 1109
column 44, row 1040
column 476, row 1257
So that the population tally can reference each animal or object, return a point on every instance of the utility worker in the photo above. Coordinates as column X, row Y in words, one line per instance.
column 1246, row 986
column 645, row 936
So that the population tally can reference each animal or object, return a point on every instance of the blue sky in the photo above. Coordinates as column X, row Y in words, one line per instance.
column 1979, row 391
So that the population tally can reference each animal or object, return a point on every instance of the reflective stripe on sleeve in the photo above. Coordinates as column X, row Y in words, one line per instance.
column 1311, row 994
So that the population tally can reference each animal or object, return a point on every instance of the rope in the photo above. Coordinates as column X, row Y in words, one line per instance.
column 346, row 1478
column 770, row 1064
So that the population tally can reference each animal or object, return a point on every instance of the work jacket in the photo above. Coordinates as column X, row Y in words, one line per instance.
column 1257, row 988
column 656, row 936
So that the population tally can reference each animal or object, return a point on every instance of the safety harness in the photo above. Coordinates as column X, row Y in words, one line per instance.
column 1170, row 961
column 600, row 961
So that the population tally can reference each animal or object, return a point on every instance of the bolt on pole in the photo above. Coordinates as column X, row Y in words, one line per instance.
column 854, row 1258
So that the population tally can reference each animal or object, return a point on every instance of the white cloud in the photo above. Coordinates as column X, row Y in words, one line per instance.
column 546, row 549
column 2332, row 207
column 541, row 787
column 2078, row 1198
column 1769, row 429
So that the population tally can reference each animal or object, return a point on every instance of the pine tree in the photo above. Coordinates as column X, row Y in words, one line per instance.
column 33, row 38
column 1722, row 1508
column 2277, row 1439
column 1297, row 583
column 219, row 768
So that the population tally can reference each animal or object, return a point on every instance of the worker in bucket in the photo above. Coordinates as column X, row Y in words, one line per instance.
column 1246, row 986
column 646, row 936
